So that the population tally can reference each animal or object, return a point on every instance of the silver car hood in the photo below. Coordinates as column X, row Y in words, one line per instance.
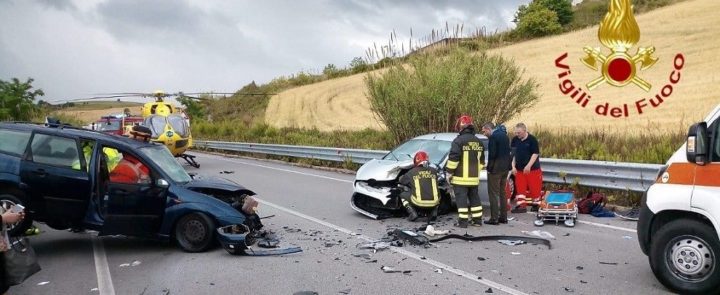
column 382, row 170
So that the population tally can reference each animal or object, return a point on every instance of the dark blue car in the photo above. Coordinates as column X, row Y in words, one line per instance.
column 68, row 178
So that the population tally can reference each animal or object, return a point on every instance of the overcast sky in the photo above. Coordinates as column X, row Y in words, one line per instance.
column 76, row 48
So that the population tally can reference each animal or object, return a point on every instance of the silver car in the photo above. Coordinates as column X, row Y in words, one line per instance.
column 375, row 191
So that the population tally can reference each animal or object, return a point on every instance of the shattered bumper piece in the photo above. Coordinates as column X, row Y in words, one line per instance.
column 236, row 240
column 271, row 252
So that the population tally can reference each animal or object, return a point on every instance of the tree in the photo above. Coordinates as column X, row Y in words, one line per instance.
column 358, row 65
column 563, row 9
column 193, row 108
column 537, row 21
column 330, row 71
column 16, row 100
column 429, row 93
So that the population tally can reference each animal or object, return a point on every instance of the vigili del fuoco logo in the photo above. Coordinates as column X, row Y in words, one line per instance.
column 618, row 32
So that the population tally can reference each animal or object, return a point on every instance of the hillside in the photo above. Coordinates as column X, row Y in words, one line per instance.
column 91, row 111
column 688, row 27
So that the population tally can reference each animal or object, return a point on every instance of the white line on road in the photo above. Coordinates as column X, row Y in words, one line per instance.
column 105, row 285
column 291, row 171
column 608, row 226
column 401, row 251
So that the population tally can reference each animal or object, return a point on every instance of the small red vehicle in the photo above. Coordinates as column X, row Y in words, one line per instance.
column 116, row 125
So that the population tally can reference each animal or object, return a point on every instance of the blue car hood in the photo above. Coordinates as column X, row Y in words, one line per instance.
column 213, row 182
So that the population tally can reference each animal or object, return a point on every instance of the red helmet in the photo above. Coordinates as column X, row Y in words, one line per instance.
column 463, row 122
column 421, row 157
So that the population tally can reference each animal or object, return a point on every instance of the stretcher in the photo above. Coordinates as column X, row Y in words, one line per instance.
column 557, row 206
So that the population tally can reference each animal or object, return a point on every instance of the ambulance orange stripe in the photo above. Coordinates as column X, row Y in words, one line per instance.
column 693, row 174
column 681, row 173
column 708, row 175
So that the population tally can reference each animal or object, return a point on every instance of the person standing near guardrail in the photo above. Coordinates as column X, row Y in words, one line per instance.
column 498, row 166
column 526, row 168
column 466, row 159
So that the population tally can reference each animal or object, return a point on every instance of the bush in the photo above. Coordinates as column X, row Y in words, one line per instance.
column 430, row 92
column 537, row 21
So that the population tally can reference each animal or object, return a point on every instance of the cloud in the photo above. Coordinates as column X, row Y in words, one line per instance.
column 77, row 48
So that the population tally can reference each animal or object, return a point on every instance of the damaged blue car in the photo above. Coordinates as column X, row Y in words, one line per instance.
column 70, row 178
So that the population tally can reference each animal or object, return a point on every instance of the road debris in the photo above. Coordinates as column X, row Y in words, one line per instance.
column 569, row 290
column 470, row 238
column 374, row 246
column 431, row 231
column 346, row 291
column 511, row 242
column 515, row 253
column 136, row 263
column 227, row 172
column 627, row 237
column 439, row 270
column 306, row 293
column 124, row 265
column 566, row 235
column 608, row 263
column 481, row 258
column 387, row 269
column 43, row 283
column 540, row 234
column 583, row 282
column 489, row 291
column 94, row 290
column 579, row 268
column 269, row 216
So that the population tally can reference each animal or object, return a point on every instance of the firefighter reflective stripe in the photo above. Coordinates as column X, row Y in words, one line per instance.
column 452, row 165
column 465, row 181
column 418, row 188
column 476, row 212
column 425, row 200
column 466, row 164
column 463, row 213
column 405, row 203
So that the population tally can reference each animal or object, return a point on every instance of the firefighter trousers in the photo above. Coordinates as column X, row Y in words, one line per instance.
column 467, row 199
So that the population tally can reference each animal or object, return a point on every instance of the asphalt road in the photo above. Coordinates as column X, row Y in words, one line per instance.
column 311, row 210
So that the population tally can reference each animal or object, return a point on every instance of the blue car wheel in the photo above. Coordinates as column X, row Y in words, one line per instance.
column 195, row 232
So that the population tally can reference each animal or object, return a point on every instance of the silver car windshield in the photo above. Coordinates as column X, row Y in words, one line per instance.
column 167, row 163
column 436, row 150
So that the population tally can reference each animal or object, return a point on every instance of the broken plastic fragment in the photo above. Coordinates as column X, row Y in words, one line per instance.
column 540, row 234
column 268, row 243
column 511, row 242
column 124, row 265
column 439, row 270
column 608, row 263
column 136, row 263
column 481, row 258
column 627, row 237
column 94, row 290
column 374, row 245
column 431, row 231
column 362, row 255
column 43, row 283
column 489, row 290
column 569, row 290
column 387, row 269
column 346, row 291
column 515, row 253
column 579, row 268
column 306, row 293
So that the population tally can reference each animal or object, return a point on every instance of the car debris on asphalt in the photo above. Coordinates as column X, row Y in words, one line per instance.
column 511, row 242
column 540, row 234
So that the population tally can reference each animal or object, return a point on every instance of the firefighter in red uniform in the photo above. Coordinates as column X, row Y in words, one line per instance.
column 467, row 158
column 423, row 188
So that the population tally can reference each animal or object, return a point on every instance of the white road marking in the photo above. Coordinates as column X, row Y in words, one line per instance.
column 401, row 251
column 291, row 171
column 105, row 285
column 608, row 226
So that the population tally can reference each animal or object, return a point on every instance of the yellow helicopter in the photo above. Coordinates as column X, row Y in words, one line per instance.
column 169, row 125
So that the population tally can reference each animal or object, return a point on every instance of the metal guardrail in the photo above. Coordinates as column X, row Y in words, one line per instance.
column 600, row 174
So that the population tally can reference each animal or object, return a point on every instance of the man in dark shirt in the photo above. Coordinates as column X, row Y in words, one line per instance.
column 497, row 168
column 526, row 168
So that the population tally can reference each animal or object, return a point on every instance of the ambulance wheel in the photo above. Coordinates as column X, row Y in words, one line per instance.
column 539, row 222
column 195, row 232
column 684, row 255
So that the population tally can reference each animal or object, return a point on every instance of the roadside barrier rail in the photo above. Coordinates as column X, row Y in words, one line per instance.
column 599, row 174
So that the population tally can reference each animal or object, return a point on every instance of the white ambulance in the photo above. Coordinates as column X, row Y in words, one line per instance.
column 680, row 214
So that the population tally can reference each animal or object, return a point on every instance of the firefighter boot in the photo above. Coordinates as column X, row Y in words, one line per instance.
column 462, row 223
column 412, row 214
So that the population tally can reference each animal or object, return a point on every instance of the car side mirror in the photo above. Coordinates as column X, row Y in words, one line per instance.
column 162, row 183
column 697, row 144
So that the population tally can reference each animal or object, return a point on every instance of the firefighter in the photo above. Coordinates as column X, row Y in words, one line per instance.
column 467, row 158
column 423, row 188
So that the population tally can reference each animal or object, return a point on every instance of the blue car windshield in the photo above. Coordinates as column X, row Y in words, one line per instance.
column 436, row 149
column 167, row 163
